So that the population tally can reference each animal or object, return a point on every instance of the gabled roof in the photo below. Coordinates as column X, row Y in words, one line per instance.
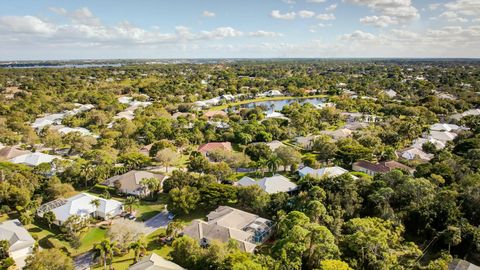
column 444, row 127
column 16, row 235
column 418, row 143
column 81, row 205
column 131, row 180
column 227, row 146
column 275, row 144
column 274, row 184
column 323, row 172
column 442, row 135
column 413, row 153
column 338, row 134
column 382, row 167
column 10, row 152
column 155, row 262
column 33, row 159
column 214, row 113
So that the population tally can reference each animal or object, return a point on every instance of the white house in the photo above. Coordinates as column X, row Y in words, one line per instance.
column 275, row 184
column 443, row 136
column 33, row 159
column 445, row 127
column 323, row 172
column 272, row 93
column 418, row 143
column 155, row 262
column 82, row 206
column 412, row 153
column 20, row 241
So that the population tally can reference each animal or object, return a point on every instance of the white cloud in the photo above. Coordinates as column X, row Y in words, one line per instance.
column 306, row 14
column 465, row 7
column 399, row 9
column 331, row 8
column 316, row 1
column 378, row 21
column 207, row 13
column 452, row 16
column 434, row 6
column 285, row 16
column 26, row 25
column 289, row 1
column 326, row 17
column 358, row 35
column 261, row 33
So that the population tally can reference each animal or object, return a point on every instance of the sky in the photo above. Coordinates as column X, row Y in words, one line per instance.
column 112, row 29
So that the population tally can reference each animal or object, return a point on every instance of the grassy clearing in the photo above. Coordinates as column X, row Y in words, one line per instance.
column 90, row 238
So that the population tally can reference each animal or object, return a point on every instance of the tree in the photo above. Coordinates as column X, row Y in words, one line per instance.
column 134, row 160
column 325, row 148
column 49, row 218
column 288, row 156
column 49, row 259
column 167, row 157
column 334, row 265
column 186, row 252
column 26, row 217
column 152, row 185
column 131, row 202
column 374, row 243
column 125, row 231
column 254, row 198
column 105, row 250
column 184, row 200
column 258, row 151
column 95, row 203
column 273, row 163
column 139, row 247
column 173, row 228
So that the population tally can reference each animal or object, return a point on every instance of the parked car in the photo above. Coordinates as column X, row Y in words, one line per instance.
column 171, row 216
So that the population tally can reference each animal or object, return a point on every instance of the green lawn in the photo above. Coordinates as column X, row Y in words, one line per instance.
column 90, row 238
column 153, row 245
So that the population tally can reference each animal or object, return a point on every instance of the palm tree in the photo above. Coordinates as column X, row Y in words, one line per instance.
column 139, row 247
column 88, row 172
column 273, row 163
column 261, row 165
column 95, row 203
column 105, row 250
column 150, row 184
column 131, row 202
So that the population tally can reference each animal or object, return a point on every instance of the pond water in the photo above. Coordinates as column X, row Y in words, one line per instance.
column 277, row 105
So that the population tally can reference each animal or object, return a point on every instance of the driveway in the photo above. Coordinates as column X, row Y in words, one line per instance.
column 84, row 261
column 160, row 220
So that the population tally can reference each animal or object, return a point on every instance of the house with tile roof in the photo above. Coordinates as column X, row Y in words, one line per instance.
column 10, row 152
column 212, row 146
column 131, row 182
column 226, row 223
column 382, row 167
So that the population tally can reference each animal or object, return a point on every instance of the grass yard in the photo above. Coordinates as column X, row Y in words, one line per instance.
column 90, row 238
column 153, row 245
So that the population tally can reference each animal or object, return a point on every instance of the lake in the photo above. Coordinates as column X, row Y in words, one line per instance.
column 277, row 105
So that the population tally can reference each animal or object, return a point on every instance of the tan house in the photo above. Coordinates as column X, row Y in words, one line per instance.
column 10, row 152
column 383, row 167
column 213, row 146
column 131, row 182
column 227, row 223
column 155, row 262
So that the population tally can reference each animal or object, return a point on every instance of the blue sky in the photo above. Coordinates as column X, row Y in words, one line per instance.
column 248, row 28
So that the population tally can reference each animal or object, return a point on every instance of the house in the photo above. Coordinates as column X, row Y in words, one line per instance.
column 276, row 115
column 445, row 127
column 65, row 130
column 183, row 115
column 390, row 93
column 323, row 172
column 10, row 152
column 412, row 153
column 155, row 262
column 130, row 182
column 275, row 184
column 459, row 116
column 338, row 134
column 459, row 264
column 145, row 150
column 51, row 119
column 82, row 206
column 443, row 136
column 20, row 241
column 272, row 93
column 209, row 147
column 211, row 114
column 33, row 159
column 418, row 143
column 274, row 145
column 306, row 142
column 383, row 167
column 227, row 223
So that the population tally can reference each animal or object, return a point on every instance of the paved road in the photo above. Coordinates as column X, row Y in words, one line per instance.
column 158, row 221
column 84, row 261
